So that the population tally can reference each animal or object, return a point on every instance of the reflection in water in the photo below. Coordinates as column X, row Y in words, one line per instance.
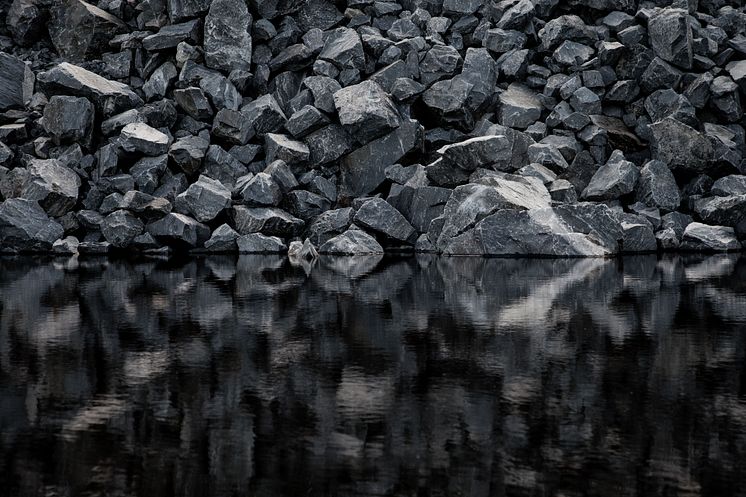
column 370, row 376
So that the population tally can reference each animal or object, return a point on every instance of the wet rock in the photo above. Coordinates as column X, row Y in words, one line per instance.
column 139, row 137
column 381, row 217
column 109, row 97
column 727, row 211
column 54, row 186
column 705, row 238
column 120, row 228
column 25, row 227
column 68, row 119
column 256, row 243
column 267, row 220
column 203, row 200
column 78, row 27
column 223, row 239
column 179, row 230
column 352, row 242
column 16, row 81
column 671, row 37
column 366, row 110
column 614, row 179
column 657, row 187
column 519, row 107
column 637, row 234
column 227, row 41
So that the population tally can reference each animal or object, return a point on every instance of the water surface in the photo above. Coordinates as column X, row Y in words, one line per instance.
column 373, row 376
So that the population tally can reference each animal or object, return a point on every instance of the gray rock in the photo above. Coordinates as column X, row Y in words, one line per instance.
column 519, row 107
column 227, row 41
column 26, row 21
column 680, row 146
column 381, row 217
column 657, row 187
column 256, row 243
column 419, row 204
column 571, row 53
column 148, row 171
column 566, row 27
column 179, row 10
column 440, row 61
column 705, row 238
column 482, row 151
column 180, row 230
column 120, row 228
column 344, row 49
column 204, row 200
column 668, row 103
column 267, row 220
column 307, row 205
column 637, row 234
column 447, row 101
column 264, row 114
column 671, row 37
column 231, row 126
column 282, row 175
column 146, row 206
column 160, row 81
column 68, row 119
column 323, row 89
column 139, row 137
column 352, row 242
column 725, row 211
column 563, row 191
column 363, row 170
column 66, row 246
column 305, row 120
column 285, row 149
column 614, row 179
column 329, row 144
column 585, row 101
column 259, row 190
column 110, row 97
column 734, row 184
column 171, row 35
column 25, row 227
column 54, row 186
column 16, row 81
column 223, row 239
column 78, row 28
column 737, row 71
column 188, row 153
column 329, row 224
column 366, row 110
column 193, row 101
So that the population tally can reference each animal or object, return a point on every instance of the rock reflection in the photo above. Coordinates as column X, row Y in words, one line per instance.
column 373, row 376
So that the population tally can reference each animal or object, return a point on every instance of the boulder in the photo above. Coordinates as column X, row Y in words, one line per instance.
column 78, row 28
column 120, row 228
column 227, row 41
column 680, row 146
column 657, row 187
column 352, row 242
column 16, row 81
column 344, row 49
column 223, row 239
column 68, row 119
column 204, row 200
column 179, row 10
column 734, row 184
column 329, row 224
column 141, row 138
column 700, row 237
column 54, row 186
column 481, row 151
column 284, row 148
column 614, row 179
column 26, row 21
column 366, row 111
column 25, row 227
column 726, row 211
column 267, row 220
column 170, row 36
column 188, row 153
column 256, row 243
column 259, row 190
column 379, row 216
column 179, row 230
column 671, row 36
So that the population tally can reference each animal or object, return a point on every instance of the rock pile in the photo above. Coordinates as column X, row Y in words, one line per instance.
column 480, row 127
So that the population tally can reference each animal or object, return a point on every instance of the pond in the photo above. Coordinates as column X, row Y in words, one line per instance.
column 411, row 376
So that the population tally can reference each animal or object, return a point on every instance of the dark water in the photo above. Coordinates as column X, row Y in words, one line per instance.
column 416, row 377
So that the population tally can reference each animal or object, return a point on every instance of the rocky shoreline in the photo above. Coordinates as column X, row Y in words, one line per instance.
column 461, row 127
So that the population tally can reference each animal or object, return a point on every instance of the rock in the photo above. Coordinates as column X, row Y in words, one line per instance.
column 16, row 81
column 419, row 205
column 179, row 10
column 25, row 227
column 307, row 205
column 223, row 239
column 146, row 206
column 566, row 27
column 203, row 200
column 54, row 186
column 285, row 149
column 302, row 251
column 139, row 137
column 585, row 101
column 26, row 21
column 109, row 97
column 170, row 36
column 148, row 171
column 267, row 220
column 363, row 170
column 614, row 179
column 379, row 216
column 637, row 235
column 77, row 28
column 671, row 37
column 179, row 230
column 447, row 101
column 323, row 89
column 231, row 126
column 734, row 184
column 344, row 49
column 352, row 242
column 737, row 71
column 66, row 246
column 264, row 114
column 256, row 243
column 329, row 224
column 305, row 120
column 680, row 146
column 519, row 107
column 439, row 62
column 188, row 153
column 726, row 211
column 482, row 151
column 160, row 81
column 366, row 110
column 259, row 190
column 120, row 228
column 227, row 41
column 704, row 238
column 68, row 119
column 193, row 101
column 328, row 144
column 657, row 187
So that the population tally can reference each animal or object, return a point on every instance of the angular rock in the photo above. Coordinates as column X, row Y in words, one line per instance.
column 328, row 144
column 352, row 242
column 223, row 239
column 657, row 187
column 193, row 101
column 179, row 10
column 78, row 28
column 188, row 153
column 264, row 114
column 285, row 149
column 344, row 49
column 256, row 243
column 26, row 21
column 725, row 211
column 16, row 82
column 734, row 184
column 68, row 119
column 671, row 37
column 139, row 137
column 25, row 227
column 329, row 224
column 170, row 36
column 120, row 228
column 519, row 107
column 705, row 238
column 54, row 186
column 259, row 190
column 307, row 205
column 680, row 146
column 381, row 217
column 474, row 153
column 267, row 220
column 227, row 41
column 614, row 179
column 204, row 200
column 366, row 110
column 180, row 230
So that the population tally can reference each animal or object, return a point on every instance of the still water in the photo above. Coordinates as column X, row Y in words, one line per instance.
column 373, row 376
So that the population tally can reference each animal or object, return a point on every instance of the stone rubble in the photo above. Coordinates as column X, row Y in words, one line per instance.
column 464, row 127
